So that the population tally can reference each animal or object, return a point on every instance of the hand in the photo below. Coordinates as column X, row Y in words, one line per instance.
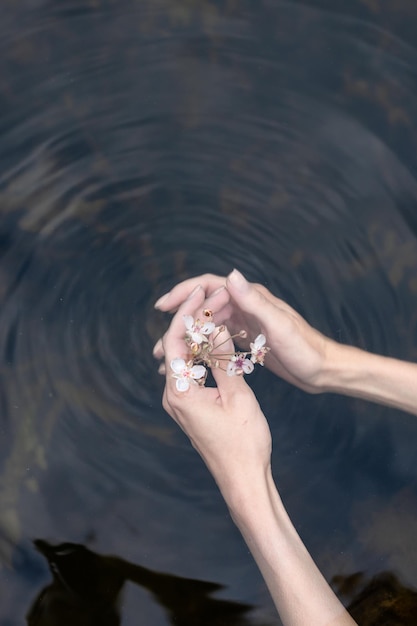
column 225, row 424
column 298, row 351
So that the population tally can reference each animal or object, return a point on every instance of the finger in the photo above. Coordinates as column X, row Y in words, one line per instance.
column 224, row 348
column 158, row 349
column 173, row 342
column 223, row 315
column 217, row 301
column 229, row 387
column 276, row 302
column 249, row 299
column 174, row 298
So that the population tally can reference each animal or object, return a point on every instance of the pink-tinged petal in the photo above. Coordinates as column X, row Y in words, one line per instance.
column 231, row 369
column 177, row 365
column 207, row 328
column 259, row 341
column 182, row 384
column 247, row 366
column 198, row 371
column 188, row 321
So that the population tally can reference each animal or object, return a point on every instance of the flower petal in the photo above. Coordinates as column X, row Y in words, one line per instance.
column 198, row 371
column 177, row 365
column 188, row 321
column 182, row 384
column 231, row 368
column 247, row 366
column 207, row 328
column 196, row 337
column 259, row 341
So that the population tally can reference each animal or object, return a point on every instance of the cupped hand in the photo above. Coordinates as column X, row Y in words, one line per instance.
column 224, row 423
column 298, row 351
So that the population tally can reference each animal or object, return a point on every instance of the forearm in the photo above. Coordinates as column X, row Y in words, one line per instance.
column 301, row 594
column 360, row 374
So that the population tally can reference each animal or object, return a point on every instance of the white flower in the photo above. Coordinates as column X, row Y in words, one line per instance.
column 258, row 350
column 239, row 364
column 186, row 373
column 196, row 330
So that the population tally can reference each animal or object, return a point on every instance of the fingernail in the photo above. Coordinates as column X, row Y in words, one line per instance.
column 161, row 300
column 194, row 291
column 238, row 280
column 218, row 290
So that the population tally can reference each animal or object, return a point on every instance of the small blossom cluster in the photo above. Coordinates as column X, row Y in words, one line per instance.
column 203, row 345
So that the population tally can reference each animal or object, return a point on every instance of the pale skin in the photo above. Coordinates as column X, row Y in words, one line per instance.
column 227, row 427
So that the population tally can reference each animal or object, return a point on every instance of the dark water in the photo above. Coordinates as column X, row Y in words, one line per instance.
column 142, row 142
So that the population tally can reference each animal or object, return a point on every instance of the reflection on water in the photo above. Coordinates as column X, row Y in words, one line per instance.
column 146, row 141
column 86, row 590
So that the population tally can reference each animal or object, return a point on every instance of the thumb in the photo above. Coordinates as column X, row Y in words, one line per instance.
column 245, row 294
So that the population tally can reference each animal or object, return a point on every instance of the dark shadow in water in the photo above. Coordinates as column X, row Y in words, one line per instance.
column 381, row 601
column 86, row 590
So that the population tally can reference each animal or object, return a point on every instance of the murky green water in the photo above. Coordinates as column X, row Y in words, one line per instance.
column 142, row 142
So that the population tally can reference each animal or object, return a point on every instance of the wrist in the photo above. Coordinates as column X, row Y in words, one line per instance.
column 351, row 371
column 347, row 369
column 339, row 368
column 247, row 494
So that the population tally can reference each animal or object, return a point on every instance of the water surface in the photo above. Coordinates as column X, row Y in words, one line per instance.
column 144, row 142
